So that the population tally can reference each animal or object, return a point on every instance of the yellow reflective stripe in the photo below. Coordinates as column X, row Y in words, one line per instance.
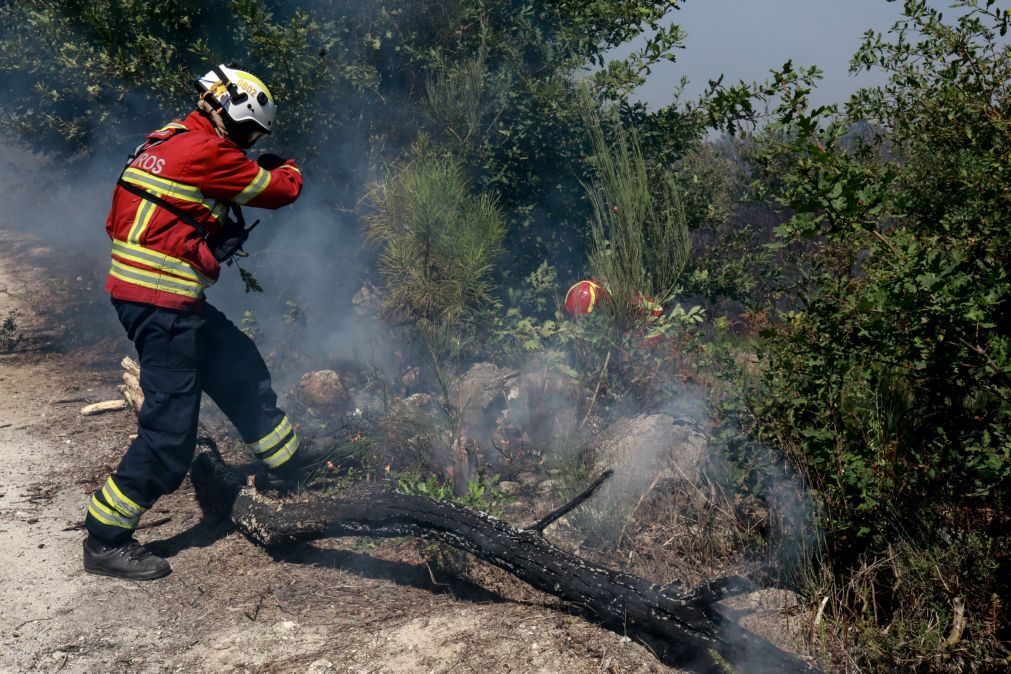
column 181, row 283
column 118, row 498
column 593, row 298
column 270, row 439
column 255, row 80
column 120, row 506
column 159, row 260
column 141, row 220
column 110, row 517
column 255, row 188
column 218, row 209
column 155, row 281
column 293, row 168
column 172, row 125
column 163, row 186
column 283, row 454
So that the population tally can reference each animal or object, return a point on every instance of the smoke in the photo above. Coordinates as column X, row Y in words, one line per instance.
column 311, row 261
column 59, row 211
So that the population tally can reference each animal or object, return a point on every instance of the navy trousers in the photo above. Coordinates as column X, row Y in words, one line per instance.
column 182, row 355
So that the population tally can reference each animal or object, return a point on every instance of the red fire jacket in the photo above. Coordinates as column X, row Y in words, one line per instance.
column 158, row 259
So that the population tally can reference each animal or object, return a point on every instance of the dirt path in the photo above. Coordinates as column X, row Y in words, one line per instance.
column 351, row 606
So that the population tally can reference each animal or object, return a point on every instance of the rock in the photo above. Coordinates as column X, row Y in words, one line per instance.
column 507, row 487
column 482, row 385
column 527, row 479
column 367, row 301
column 543, row 404
column 412, row 407
column 324, row 391
column 285, row 626
column 410, row 378
column 768, row 599
column 651, row 445
column 318, row 666
column 644, row 451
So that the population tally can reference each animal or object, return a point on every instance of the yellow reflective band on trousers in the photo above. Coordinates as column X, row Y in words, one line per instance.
column 270, row 440
column 108, row 516
column 160, row 261
column 118, row 500
column 155, row 280
column 283, row 454
column 255, row 188
column 164, row 187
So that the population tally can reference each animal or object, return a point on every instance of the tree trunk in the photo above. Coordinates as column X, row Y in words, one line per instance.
column 682, row 630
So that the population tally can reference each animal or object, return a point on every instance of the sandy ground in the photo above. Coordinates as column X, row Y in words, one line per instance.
column 346, row 606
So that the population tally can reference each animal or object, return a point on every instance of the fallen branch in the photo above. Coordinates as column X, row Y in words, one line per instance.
column 683, row 630
column 103, row 407
column 130, row 388
column 559, row 513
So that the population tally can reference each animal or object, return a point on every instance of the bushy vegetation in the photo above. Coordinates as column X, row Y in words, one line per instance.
column 887, row 386
column 852, row 260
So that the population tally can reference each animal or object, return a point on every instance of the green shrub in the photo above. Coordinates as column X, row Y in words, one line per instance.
column 640, row 241
column 481, row 492
column 10, row 332
column 888, row 384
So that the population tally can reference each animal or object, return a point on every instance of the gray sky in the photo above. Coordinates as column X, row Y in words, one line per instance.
column 744, row 39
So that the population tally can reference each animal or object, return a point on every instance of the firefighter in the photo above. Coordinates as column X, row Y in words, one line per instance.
column 174, row 219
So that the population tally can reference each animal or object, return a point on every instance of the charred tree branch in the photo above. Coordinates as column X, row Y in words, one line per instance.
column 678, row 628
column 557, row 514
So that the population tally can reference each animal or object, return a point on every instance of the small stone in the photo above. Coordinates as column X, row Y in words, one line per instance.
column 285, row 626
column 507, row 487
column 527, row 479
column 323, row 390
column 319, row 666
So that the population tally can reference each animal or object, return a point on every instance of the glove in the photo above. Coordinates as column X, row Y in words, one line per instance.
column 271, row 161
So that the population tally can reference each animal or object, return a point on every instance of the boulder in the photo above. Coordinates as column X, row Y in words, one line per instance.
column 323, row 391
column 647, row 447
column 645, row 451
column 542, row 403
column 483, row 385
column 414, row 408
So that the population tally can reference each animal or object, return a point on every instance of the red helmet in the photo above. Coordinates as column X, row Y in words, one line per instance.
column 584, row 297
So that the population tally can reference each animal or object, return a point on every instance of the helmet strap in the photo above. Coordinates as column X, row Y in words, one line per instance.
column 206, row 105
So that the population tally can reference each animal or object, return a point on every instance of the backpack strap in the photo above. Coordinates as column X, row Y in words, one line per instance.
column 161, row 203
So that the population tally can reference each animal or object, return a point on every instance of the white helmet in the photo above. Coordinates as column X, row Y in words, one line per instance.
column 244, row 101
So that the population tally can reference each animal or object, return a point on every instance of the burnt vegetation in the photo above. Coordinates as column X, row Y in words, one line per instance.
column 798, row 366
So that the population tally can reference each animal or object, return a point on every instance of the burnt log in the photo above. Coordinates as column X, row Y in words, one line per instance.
column 683, row 630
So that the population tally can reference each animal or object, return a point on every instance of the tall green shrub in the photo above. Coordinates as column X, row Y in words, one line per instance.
column 640, row 241
column 438, row 245
column 889, row 385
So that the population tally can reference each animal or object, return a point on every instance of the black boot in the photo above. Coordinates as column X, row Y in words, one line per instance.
column 315, row 458
column 129, row 561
